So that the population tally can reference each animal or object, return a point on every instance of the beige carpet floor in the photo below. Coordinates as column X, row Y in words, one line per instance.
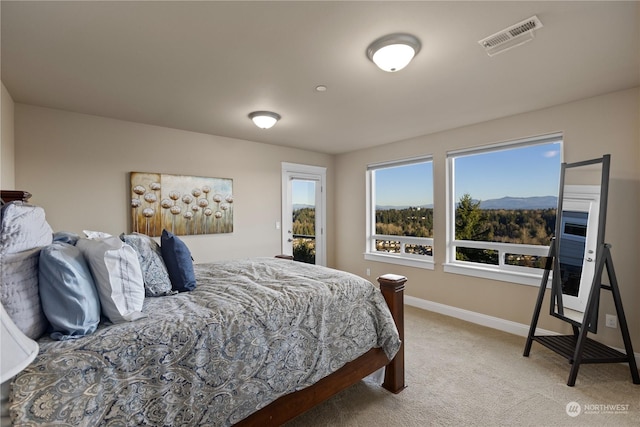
column 462, row 374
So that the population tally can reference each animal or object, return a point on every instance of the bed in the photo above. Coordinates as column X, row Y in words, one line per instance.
column 257, row 342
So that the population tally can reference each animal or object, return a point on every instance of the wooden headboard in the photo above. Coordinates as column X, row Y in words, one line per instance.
column 11, row 195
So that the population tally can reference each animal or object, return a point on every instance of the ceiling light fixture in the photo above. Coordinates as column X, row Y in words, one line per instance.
column 393, row 52
column 264, row 119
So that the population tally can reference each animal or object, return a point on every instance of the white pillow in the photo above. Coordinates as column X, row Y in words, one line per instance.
column 116, row 271
column 96, row 234
column 23, row 231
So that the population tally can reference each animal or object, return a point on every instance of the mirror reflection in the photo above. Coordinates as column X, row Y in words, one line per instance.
column 573, row 236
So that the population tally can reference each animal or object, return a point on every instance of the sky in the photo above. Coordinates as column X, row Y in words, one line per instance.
column 524, row 172
column 410, row 185
column 303, row 192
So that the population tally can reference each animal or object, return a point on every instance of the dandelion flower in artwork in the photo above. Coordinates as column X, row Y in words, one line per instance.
column 206, row 190
column 224, row 206
column 217, row 198
column 207, row 212
column 148, row 213
column 166, row 203
column 175, row 210
column 139, row 190
column 218, row 214
column 188, row 215
column 229, row 198
column 155, row 186
column 150, row 198
column 195, row 208
column 203, row 203
column 196, row 192
column 174, row 195
column 187, row 199
column 135, row 204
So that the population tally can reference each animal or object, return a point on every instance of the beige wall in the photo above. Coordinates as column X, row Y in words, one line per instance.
column 592, row 127
column 77, row 167
column 7, row 157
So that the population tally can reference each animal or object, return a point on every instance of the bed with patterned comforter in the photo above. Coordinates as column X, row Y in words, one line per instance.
column 252, row 331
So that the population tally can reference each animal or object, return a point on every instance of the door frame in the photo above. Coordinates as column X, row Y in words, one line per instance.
column 292, row 171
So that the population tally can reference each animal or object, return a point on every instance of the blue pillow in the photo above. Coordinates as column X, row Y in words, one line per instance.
column 177, row 258
column 66, row 237
column 68, row 293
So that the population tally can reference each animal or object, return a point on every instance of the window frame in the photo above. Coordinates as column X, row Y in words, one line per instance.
column 502, row 271
column 371, row 253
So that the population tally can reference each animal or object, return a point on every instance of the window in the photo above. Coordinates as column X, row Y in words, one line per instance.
column 400, row 212
column 501, row 208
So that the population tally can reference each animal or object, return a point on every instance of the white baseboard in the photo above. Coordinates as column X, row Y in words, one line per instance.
column 515, row 328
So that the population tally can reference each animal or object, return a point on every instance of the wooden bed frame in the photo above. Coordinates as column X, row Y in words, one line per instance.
column 291, row 405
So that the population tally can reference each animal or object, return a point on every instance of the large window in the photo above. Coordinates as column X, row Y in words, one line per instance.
column 501, row 208
column 400, row 212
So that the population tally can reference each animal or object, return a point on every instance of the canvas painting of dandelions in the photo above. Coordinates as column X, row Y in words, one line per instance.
column 181, row 204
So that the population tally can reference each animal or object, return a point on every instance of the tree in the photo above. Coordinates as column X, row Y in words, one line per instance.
column 470, row 220
column 471, row 224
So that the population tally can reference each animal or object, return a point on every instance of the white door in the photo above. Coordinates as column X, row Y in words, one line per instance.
column 303, row 212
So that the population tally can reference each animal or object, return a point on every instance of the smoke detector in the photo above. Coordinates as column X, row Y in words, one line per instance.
column 511, row 37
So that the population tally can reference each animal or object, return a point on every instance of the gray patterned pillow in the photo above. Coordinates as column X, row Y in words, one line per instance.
column 154, row 272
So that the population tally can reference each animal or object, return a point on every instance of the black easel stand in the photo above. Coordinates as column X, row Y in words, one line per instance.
column 578, row 348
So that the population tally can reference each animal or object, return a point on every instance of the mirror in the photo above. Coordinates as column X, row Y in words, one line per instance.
column 579, row 232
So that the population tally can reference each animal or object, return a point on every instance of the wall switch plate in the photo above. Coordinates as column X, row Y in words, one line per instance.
column 611, row 321
column 368, row 272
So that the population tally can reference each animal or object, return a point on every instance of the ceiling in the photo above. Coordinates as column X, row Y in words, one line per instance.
column 204, row 66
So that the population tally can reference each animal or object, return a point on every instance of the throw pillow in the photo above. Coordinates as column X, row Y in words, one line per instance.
column 177, row 258
column 116, row 271
column 23, row 232
column 154, row 272
column 67, row 291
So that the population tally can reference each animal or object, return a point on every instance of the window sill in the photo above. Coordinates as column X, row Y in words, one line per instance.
column 487, row 272
column 400, row 260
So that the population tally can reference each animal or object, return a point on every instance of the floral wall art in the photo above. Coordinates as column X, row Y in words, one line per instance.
column 181, row 204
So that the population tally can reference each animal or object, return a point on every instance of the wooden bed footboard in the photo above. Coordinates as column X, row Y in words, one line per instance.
column 291, row 405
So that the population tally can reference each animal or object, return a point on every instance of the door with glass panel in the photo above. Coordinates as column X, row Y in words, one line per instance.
column 303, row 213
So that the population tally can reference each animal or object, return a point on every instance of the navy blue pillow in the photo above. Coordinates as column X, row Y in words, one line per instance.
column 177, row 258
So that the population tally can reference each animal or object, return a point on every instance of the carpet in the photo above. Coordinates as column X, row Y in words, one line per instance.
column 462, row 374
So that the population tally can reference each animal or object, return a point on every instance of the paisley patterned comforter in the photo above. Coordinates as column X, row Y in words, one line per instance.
column 252, row 331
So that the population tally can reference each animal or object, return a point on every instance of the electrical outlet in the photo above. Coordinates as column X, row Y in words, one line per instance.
column 611, row 321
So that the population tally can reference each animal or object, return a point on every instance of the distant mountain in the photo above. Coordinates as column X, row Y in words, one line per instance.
column 387, row 207
column 300, row 206
column 509, row 203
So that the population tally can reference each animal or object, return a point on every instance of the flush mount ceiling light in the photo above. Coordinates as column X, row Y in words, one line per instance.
column 393, row 52
column 264, row 119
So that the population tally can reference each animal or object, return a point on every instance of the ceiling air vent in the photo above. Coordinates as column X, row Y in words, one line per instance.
column 511, row 37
